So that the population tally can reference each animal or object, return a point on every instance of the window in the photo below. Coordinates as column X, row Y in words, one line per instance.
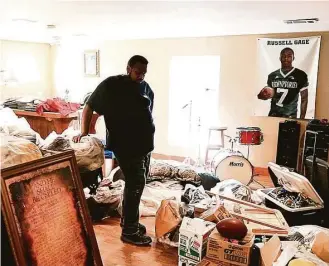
column 193, row 99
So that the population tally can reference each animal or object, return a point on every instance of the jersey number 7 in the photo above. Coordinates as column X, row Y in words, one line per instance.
column 283, row 96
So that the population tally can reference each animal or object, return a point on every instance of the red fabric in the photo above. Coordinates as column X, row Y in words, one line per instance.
column 57, row 105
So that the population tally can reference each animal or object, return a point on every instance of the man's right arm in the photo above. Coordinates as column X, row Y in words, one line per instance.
column 94, row 103
column 85, row 124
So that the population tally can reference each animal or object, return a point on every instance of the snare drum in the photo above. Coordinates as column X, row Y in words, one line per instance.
column 249, row 135
column 229, row 164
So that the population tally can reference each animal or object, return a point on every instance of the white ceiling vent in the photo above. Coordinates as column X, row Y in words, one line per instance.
column 301, row 21
column 51, row 26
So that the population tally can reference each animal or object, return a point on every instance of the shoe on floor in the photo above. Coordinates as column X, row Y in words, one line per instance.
column 141, row 228
column 137, row 239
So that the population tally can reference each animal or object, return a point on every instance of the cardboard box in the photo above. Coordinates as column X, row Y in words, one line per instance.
column 208, row 262
column 277, row 251
column 193, row 238
column 221, row 250
column 199, row 209
column 182, row 261
column 215, row 214
column 270, row 251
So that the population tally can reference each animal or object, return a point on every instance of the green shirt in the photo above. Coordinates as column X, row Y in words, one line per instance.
column 287, row 87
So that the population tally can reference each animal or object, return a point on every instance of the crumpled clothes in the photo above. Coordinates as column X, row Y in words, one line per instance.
column 151, row 200
column 89, row 152
column 235, row 189
column 111, row 193
column 58, row 144
column 193, row 195
column 162, row 170
column 173, row 185
column 57, row 105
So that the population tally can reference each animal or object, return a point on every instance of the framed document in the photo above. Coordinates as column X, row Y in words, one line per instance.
column 91, row 63
column 45, row 213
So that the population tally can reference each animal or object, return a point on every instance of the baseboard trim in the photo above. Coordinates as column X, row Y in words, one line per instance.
column 160, row 156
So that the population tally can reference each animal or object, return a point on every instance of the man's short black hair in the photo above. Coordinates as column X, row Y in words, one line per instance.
column 137, row 59
column 287, row 49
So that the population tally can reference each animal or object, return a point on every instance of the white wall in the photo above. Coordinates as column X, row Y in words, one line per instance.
column 30, row 63
column 67, row 60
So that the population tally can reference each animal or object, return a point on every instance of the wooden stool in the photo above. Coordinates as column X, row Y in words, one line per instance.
column 215, row 146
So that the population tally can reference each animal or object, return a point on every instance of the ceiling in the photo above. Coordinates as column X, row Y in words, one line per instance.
column 27, row 20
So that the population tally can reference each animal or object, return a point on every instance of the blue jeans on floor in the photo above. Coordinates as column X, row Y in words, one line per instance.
column 135, row 171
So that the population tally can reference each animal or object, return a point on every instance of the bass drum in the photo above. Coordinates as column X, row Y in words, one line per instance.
column 232, row 165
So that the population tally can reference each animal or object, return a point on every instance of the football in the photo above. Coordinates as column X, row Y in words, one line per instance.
column 266, row 93
column 232, row 228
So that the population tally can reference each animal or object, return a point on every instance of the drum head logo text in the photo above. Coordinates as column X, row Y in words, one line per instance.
column 240, row 164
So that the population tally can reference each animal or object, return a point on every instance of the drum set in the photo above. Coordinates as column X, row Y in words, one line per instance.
column 231, row 163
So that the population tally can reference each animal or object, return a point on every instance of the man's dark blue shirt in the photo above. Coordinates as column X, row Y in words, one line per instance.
column 127, row 108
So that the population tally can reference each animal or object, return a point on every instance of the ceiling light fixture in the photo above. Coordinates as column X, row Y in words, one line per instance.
column 301, row 21
column 51, row 26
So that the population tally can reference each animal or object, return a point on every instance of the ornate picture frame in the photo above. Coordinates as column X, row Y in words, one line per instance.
column 91, row 63
column 45, row 213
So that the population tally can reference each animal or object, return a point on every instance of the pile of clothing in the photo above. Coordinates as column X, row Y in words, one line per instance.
column 22, row 103
column 57, row 105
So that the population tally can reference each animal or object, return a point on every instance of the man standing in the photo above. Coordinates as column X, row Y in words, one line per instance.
column 284, row 87
column 126, row 101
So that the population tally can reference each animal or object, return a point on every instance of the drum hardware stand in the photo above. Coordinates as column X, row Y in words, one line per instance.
column 252, row 180
column 188, row 160
column 248, row 152
column 232, row 141
column 198, row 162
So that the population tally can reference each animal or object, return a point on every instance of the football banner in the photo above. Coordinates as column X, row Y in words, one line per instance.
column 287, row 71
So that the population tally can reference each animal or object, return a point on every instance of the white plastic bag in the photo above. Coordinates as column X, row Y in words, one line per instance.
column 15, row 151
column 89, row 153
column 11, row 125
column 305, row 235
column 235, row 189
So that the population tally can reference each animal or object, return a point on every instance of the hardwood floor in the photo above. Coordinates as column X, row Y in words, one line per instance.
column 115, row 253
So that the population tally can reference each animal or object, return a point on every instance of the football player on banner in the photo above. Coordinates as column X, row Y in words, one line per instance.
column 284, row 87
